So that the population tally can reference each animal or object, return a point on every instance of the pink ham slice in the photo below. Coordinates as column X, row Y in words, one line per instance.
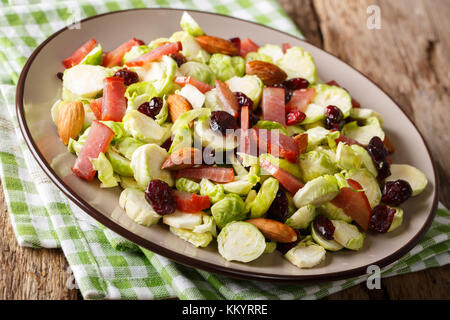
column 300, row 99
column 227, row 98
column 201, row 86
column 114, row 58
column 190, row 202
column 354, row 203
column 247, row 45
column 285, row 46
column 80, row 54
column 114, row 103
column 248, row 139
column 277, row 144
column 215, row 174
column 162, row 50
column 273, row 107
column 98, row 140
column 96, row 107
column 287, row 180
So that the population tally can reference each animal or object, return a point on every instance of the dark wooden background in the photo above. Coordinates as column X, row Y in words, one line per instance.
column 408, row 57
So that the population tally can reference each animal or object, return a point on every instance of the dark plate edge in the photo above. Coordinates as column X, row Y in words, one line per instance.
column 183, row 259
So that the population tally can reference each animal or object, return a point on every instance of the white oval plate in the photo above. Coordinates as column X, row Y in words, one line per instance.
column 39, row 88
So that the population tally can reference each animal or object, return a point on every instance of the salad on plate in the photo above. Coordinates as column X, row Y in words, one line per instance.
column 225, row 140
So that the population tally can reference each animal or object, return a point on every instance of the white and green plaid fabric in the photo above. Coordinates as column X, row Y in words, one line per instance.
column 105, row 265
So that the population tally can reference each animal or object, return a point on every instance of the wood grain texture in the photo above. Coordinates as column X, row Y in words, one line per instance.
column 407, row 57
column 27, row 273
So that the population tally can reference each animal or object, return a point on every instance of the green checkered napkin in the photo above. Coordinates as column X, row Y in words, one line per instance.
column 104, row 264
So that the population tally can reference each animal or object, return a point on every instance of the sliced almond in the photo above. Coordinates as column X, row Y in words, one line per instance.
column 217, row 45
column 274, row 230
column 70, row 120
column 177, row 106
column 302, row 142
column 269, row 73
column 182, row 158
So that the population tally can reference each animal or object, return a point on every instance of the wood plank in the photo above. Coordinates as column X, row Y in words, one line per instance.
column 304, row 15
column 27, row 273
column 408, row 58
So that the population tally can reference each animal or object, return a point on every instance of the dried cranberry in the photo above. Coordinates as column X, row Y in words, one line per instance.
column 396, row 192
column 257, row 187
column 128, row 76
column 285, row 247
column 253, row 119
column 279, row 209
column 60, row 75
column 237, row 42
column 159, row 195
column 179, row 58
column 377, row 149
column 222, row 121
column 166, row 145
column 334, row 118
column 243, row 100
column 296, row 83
column 324, row 227
column 151, row 108
column 384, row 170
column 381, row 218
column 379, row 154
column 287, row 95
column 295, row 117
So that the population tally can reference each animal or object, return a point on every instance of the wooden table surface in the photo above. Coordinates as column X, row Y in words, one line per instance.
column 408, row 57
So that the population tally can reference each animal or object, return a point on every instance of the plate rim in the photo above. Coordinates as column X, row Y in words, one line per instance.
column 185, row 259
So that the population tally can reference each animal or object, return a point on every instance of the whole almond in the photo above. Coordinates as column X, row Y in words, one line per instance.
column 274, row 230
column 182, row 158
column 217, row 45
column 269, row 73
column 177, row 106
column 70, row 120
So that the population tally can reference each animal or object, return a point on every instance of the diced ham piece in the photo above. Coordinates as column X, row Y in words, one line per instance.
column 228, row 99
column 248, row 140
column 114, row 104
column 302, row 142
column 201, row 86
column 79, row 54
column 300, row 99
column 215, row 174
column 96, row 107
column 190, row 202
column 245, row 117
column 273, row 107
column 247, row 45
column 277, row 144
column 98, row 140
column 114, row 58
column 287, row 180
column 158, row 52
column 285, row 46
